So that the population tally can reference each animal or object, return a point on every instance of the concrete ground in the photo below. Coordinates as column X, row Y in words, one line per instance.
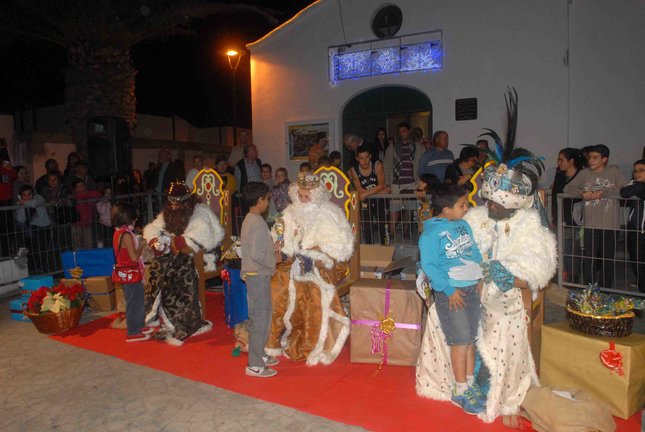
column 48, row 385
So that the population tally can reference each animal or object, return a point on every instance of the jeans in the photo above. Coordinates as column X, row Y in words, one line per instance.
column 459, row 325
column 134, row 308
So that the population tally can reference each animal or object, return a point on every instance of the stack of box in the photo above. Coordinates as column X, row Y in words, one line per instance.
column 27, row 286
column 93, row 262
column 15, row 307
column 575, row 360
column 100, row 290
column 96, row 265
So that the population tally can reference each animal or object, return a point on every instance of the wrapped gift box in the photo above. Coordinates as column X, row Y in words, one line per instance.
column 33, row 283
column 572, row 359
column 15, row 307
column 120, row 297
column 236, row 308
column 371, row 302
column 94, row 262
column 100, row 290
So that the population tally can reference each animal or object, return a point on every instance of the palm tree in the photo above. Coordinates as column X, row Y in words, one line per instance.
column 97, row 36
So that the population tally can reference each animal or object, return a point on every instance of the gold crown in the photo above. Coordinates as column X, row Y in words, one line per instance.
column 308, row 181
column 179, row 192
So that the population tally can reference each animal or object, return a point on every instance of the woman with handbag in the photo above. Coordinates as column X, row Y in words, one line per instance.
column 128, row 270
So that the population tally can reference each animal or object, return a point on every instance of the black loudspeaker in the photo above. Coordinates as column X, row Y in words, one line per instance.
column 109, row 148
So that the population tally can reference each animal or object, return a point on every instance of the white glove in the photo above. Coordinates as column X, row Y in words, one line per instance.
column 469, row 271
column 423, row 285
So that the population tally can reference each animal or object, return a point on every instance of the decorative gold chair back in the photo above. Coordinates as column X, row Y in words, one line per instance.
column 338, row 184
column 209, row 188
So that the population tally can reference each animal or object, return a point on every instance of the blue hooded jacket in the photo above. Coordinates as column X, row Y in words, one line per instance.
column 442, row 246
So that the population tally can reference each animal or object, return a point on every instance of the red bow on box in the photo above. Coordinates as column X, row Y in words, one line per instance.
column 612, row 359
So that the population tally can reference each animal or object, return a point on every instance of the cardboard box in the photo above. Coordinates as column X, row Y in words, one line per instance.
column 120, row 297
column 376, row 262
column 100, row 290
column 572, row 359
column 367, row 309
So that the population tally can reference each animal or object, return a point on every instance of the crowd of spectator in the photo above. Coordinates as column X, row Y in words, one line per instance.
column 70, row 209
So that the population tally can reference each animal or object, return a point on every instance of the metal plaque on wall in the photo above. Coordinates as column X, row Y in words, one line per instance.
column 466, row 109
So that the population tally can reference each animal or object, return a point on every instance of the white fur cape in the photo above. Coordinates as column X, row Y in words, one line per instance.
column 324, row 226
column 528, row 251
column 203, row 230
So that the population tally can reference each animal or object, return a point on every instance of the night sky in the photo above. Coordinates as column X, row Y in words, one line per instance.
column 188, row 76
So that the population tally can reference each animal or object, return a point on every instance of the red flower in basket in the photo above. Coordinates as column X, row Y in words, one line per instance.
column 56, row 299
column 57, row 309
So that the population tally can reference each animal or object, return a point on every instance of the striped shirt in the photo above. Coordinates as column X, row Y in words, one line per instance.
column 406, row 175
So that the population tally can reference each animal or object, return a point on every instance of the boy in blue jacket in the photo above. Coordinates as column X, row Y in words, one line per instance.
column 447, row 241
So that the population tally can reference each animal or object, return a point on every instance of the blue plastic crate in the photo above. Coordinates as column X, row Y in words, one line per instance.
column 15, row 306
column 32, row 283
column 94, row 262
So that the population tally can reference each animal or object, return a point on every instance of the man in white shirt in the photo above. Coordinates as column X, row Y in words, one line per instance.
column 198, row 165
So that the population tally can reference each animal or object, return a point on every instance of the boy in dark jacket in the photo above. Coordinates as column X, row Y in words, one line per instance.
column 635, row 189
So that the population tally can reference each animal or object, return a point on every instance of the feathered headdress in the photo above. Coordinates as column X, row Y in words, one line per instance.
column 512, row 179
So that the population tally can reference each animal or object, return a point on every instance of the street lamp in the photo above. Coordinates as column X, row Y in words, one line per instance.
column 234, row 61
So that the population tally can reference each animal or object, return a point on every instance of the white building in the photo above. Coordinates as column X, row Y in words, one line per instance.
column 577, row 66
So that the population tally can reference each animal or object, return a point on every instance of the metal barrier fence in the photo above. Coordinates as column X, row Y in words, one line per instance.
column 35, row 237
column 596, row 245
column 614, row 258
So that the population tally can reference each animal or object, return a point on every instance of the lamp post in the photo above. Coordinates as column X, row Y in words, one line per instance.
column 234, row 61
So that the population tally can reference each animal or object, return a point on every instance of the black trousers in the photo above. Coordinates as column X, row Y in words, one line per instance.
column 599, row 248
column 636, row 249
column 373, row 221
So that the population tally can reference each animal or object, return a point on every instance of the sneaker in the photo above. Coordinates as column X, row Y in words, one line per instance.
column 270, row 361
column 468, row 402
column 479, row 394
column 137, row 337
column 260, row 372
column 146, row 330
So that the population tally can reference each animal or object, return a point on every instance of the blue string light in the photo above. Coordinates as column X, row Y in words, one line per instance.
column 381, row 61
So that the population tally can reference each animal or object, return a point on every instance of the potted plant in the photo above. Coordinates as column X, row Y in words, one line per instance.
column 57, row 309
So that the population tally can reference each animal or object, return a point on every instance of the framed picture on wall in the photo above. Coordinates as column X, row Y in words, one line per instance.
column 305, row 137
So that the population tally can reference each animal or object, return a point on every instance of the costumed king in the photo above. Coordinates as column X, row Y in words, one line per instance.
column 519, row 252
column 308, row 320
column 171, row 292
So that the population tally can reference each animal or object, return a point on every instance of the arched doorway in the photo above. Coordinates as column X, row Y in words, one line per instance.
column 385, row 107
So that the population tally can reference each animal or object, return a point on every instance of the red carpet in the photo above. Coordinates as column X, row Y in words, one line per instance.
column 344, row 392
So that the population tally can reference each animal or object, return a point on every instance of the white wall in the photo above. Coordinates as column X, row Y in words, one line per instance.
column 488, row 45
column 607, row 77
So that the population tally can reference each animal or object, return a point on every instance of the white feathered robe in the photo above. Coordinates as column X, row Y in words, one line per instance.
column 528, row 250
column 308, row 319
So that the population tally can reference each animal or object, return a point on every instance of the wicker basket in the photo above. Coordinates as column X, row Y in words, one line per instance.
column 599, row 325
column 52, row 323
